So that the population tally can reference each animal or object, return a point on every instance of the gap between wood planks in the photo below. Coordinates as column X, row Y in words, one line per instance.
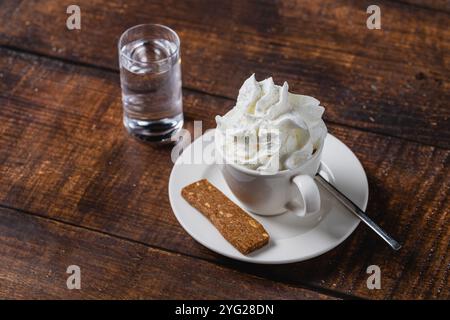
column 318, row 289
column 419, row 6
column 195, row 90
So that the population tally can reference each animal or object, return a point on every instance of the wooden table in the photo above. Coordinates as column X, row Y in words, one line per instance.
column 75, row 189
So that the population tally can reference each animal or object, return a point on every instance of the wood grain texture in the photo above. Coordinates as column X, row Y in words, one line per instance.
column 65, row 155
column 438, row 5
column 35, row 257
column 393, row 81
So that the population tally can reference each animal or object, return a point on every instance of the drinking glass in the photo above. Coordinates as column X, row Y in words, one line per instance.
column 150, row 78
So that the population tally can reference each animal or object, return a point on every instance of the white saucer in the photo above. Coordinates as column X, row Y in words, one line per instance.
column 291, row 238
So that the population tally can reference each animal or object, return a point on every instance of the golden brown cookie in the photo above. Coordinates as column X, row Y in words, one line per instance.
column 236, row 226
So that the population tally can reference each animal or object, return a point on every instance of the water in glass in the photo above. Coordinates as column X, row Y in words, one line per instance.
column 151, row 88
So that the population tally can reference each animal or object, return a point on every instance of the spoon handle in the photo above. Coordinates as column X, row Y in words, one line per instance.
column 349, row 204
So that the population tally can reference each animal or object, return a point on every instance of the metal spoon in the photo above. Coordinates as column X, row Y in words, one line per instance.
column 349, row 204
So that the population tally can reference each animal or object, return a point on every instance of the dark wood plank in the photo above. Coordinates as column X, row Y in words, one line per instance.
column 65, row 155
column 438, row 5
column 393, row 81
column 35, row 257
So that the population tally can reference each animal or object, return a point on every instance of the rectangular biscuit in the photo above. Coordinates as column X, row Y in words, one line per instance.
column 236, row 226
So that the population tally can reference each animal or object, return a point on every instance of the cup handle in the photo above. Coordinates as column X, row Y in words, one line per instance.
column 309, row 193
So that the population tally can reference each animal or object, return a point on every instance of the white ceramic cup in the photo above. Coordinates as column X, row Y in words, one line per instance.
column 270, row 194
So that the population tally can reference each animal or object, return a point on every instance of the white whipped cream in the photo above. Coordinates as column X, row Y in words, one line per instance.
column 270, row 129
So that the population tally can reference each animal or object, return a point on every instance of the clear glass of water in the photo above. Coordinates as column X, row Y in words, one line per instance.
column 150, row 77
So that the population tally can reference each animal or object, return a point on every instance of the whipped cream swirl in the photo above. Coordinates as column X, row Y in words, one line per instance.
column 270, row 129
